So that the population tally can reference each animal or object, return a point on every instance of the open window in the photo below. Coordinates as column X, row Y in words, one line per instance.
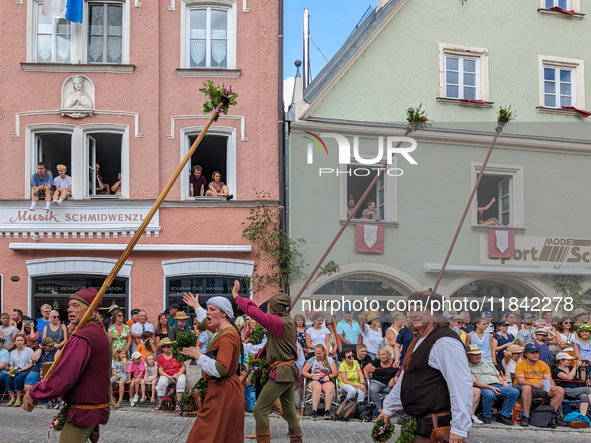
column 53, row 149
column 499, row 197
column 104, row 163
column 374, row 206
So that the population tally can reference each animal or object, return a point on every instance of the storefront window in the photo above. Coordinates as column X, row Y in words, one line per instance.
column 56, row 291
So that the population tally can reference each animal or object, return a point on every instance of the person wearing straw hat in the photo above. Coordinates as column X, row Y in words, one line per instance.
column 82, row 376
column 486, row 377
column 221, row 419
column 511, row 356
column 564, row 374
column 181, row 325
column 371, row 331
column 435, row 384
column 581, row 317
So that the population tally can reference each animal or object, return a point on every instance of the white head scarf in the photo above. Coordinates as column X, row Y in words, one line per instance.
column 223, row 304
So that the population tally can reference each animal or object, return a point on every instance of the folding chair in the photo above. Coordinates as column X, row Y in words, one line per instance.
column 308, row 396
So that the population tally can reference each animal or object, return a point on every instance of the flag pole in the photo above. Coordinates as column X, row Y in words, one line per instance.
column 138, row 233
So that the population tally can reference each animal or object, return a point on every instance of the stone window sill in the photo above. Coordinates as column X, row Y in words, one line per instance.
column 208, row 72
column 498, row 228
column 571, row 112
column 577, row 16
column 363, row 221
column 70, row 67
column 455, row 101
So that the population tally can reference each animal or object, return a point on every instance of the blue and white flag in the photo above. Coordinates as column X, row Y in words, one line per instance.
column 69, row 9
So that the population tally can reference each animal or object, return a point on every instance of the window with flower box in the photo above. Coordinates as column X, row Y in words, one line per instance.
column 562, row 84
column 463, row 75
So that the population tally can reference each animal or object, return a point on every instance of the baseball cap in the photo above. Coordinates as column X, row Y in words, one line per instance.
column 136, row 354
column 505, row 311
column 347, row 310
column 532, row 347
column 503, row 323
column 528, row 316
column 47, row 341
column 135, row 311
column 486, row 314
column 541, row 331
column 174, row 306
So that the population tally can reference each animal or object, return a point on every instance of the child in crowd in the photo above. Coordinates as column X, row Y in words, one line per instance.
column 62, row 184
column 202, row 337
column 135, row 370
column 150, row 377
column 119, row 375
column 147, row 346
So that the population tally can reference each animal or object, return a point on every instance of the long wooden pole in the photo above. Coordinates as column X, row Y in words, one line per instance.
column 140, row 230
column 453, row 242
column 351, row 215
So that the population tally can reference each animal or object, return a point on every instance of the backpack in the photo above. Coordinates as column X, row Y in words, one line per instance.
column 542, row 417
column 365, row 411
column 347, row 410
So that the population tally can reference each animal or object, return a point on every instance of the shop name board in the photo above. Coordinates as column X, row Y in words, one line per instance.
column 544, row 251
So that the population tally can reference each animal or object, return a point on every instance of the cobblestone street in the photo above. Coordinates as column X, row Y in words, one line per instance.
column 144, row 425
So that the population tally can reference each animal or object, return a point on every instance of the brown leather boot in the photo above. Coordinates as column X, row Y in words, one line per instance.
column 278, row 408
column 263, row 434
column 295, row 435
column 254, row 434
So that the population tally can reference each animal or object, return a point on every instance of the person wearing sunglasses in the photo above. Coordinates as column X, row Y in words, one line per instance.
column 351, row 380
column 119, row 332
column 44, row 319
column 565, row 335
column 55, row 330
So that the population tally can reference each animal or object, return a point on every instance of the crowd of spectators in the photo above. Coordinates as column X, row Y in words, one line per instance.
column 519, row 358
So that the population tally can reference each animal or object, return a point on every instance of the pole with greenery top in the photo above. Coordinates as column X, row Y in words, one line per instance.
column 504, row 117
column 417, row 119
column 219, row 99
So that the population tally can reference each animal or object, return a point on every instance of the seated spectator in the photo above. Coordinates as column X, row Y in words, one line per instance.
column 4, row 362
column 502, row 339
column 529, row 374
column 320, row 369
column 492, row 385
column 170, row 371
column 181, row 325
column 62, row 184
column 41, row 183
column 217, row 188
column 44, row 320
column 7, row 332
column 119, row 377
column 197, row 183
column 526, row 333
column 317, row 334
column 582, row 348
column 546, row 355
column 351, row 380
column 405, row 337
column 147, row 346
column 55, row 330
column 44, row 355
column 483, row 339
column 31, row 333
column 101, row 186
column 21, row 363
column 383, row 376
column 371, row 213
column 116, row 188
column 136, row 369
column 492, row 221
column 150, row 377
column 162, row 328
column 17, row 319
column 511, row 356
column 361, row 356
column 564, row 375
column 350, row 205
column 371, row 331
column 119, row 332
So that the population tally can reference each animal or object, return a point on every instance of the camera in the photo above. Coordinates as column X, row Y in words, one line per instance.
column 149, row 345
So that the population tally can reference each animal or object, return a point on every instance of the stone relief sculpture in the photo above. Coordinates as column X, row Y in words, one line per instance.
column 76, row 102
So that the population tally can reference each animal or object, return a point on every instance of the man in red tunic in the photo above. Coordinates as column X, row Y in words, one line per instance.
column 82, row 376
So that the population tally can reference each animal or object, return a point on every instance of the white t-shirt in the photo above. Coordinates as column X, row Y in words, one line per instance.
column 509, row 369
column 513, row 330
column 152, row 372
column 318, row 337
column 568, row 338
column 21, row 360
column 63, row 183
column 372, row 339
column 138, row 328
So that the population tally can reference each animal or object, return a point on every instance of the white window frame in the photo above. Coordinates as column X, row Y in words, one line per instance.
column 517, row 209
column 79, row 35
column 187, row 5
column 230, row 180
column 390, row 212
column 36, row 6
column 578, row 66
column 557, row 84
column 575, row 5
column 79, row 155
column 482, row 77
column 461, row 72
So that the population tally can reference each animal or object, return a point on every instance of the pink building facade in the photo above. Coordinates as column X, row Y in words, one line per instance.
column 121, row 89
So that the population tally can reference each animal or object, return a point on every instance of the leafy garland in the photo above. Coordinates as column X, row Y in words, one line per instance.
column 214, row 95
column 330, row 268
column 183, row 340
column 259, row 368
column 186, row 398
column 201, row 386
column 382, row 432
column 407, row 430
column 60, row 419
column 417, row 118
column 505, row 116
column 257, row 335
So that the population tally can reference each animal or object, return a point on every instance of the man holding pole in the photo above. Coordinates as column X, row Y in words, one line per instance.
column 82, row 376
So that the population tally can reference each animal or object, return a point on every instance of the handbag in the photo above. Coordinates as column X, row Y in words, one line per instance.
column 440, row 434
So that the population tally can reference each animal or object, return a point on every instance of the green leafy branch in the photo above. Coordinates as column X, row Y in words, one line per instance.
column 571, row 286
column 214, row 94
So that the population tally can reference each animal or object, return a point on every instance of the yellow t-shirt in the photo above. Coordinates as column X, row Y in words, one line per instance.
column 532, row 373
column 352, row 374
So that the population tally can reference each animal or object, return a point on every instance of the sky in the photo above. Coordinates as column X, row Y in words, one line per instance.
column 331, row 23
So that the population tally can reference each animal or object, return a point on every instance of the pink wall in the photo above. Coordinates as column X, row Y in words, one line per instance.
column 155, row 92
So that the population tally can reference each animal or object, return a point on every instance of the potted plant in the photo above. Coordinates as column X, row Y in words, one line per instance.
column 167, row 403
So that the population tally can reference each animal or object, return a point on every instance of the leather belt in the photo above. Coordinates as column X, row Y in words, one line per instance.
column 101, row 406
